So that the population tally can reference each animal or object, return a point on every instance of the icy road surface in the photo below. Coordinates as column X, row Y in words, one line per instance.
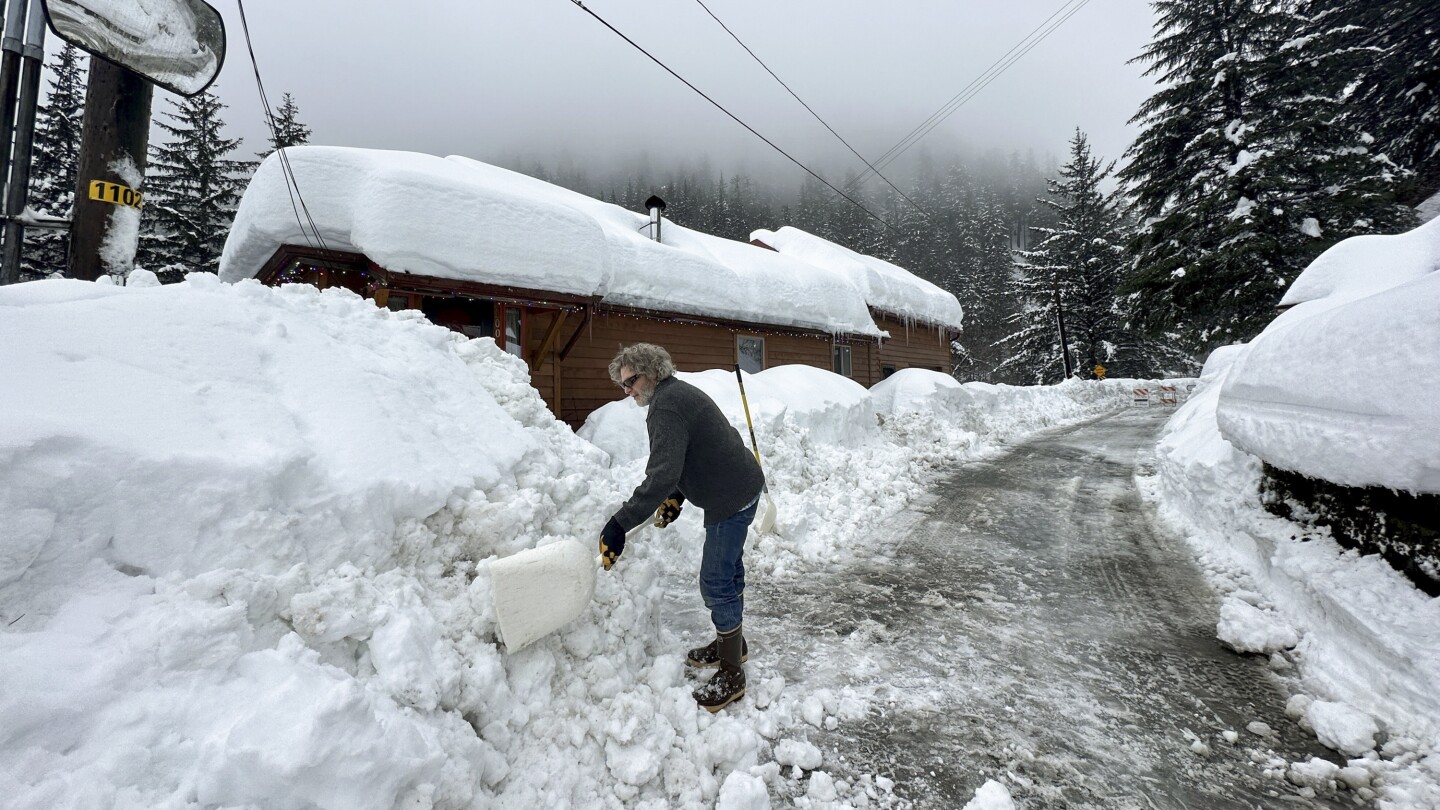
column 1029, row 620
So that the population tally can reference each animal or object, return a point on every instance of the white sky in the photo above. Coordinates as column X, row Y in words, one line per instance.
column 542, row 78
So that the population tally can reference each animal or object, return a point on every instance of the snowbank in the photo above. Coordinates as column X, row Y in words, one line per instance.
column 1342, row 386
column 247, row 562
column 1368, row 641
column 461, row 219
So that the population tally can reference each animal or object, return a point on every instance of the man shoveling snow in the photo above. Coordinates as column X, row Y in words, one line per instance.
column 694, row 454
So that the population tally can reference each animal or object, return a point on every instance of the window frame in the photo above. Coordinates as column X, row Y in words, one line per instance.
column 740, row 356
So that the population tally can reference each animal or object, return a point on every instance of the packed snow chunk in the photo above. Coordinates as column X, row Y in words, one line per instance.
column 799, row 753
column 1342, row 385
column 1317, row 773
column 991, row 796
column 1248, row 629
column 741, row 791
column 822, row 787
column 1341, row 727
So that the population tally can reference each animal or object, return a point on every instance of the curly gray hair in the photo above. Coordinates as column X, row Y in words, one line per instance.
column 643, row 358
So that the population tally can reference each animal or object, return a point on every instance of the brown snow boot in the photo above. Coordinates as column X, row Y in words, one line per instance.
column 728, row 684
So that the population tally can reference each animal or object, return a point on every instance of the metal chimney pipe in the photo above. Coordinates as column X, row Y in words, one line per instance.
column 655, row 206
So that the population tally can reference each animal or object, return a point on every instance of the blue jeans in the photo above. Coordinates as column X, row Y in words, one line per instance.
column 722, row 571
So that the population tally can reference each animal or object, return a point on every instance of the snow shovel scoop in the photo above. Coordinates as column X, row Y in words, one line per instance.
column 767, row 515
column 540, row 590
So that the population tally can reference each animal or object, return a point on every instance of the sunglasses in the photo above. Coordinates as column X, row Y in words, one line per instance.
column 629, row 382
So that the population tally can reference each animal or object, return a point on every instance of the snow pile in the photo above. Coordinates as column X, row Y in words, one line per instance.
column 461, row 219
column 246, row 563
column 1248, row 629
column 1341, row 727
column 1366, row 637
column 886, row 287
column 1343, row 385
column 991, row 796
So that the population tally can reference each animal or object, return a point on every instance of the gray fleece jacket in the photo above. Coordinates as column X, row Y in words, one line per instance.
column 695, row 451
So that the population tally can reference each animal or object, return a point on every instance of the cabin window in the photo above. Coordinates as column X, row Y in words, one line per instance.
column 397, row 301
column 842, row 363
column 886, row 371
column 750, row 353
column 514, row 331
column 472, row 317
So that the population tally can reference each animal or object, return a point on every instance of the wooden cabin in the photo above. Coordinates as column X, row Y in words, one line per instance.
column 568, row 341
column 474, row 247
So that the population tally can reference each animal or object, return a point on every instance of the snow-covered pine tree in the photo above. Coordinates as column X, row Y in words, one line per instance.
column 1076, row 267
column 986, row 291
column 288, row 129
column 1246, row 168
column 1319, row 178
column 192, row 189
column 1396, row 95
column 1192, row 271
column 57, row 156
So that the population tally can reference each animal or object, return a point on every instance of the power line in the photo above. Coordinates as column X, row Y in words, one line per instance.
column 1009, row 58
column 734, row 117
column 808, row 109
column 292, row 186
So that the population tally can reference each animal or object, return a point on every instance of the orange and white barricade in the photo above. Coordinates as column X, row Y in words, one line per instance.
column 1142, row 396
column 1168, row 395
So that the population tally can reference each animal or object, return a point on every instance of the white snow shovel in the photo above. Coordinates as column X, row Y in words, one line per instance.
column 540, row 590
column 767, row 514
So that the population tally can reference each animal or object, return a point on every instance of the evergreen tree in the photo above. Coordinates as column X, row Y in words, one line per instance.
column 1190, row 273
column 1396, row 96
column 1246, row 169
column 288, row 129
column 1073, row 273
column 56, row 161
column 192, row 190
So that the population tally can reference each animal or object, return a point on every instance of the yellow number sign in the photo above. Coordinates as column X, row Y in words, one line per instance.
column 116, row 193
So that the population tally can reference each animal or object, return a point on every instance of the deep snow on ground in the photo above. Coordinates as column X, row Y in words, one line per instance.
column 246, row 543
column 1365, row 642
column 1341, row 386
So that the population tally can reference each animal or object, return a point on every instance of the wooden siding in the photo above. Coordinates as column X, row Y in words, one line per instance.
column 591, row 333
column 916, row 345
column 585, row 376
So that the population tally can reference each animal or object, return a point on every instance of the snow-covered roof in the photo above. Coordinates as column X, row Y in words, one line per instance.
column 886, row 287
column 461, row 219
column 1342, row 386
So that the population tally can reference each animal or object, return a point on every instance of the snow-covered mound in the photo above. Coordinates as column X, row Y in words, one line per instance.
column 886, row 287
column 1366, row 637
column 461, row 219
column 1343, row 385
column 916, row 390
column 227, row 426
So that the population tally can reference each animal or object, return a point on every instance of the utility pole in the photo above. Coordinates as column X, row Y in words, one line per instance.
column 32, row 57
column 105, row 229
column 1060, row 321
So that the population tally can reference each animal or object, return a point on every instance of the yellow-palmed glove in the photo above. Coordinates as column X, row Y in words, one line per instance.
column 612, row 543
column 669, row 511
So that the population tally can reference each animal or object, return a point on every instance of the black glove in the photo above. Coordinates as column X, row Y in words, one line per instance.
column 612, row 543
column 669, row 511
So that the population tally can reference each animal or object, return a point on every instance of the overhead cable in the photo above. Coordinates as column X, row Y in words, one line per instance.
column 1010, row 57
column 292, row 186
column 808, row 109
column 734, row 117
